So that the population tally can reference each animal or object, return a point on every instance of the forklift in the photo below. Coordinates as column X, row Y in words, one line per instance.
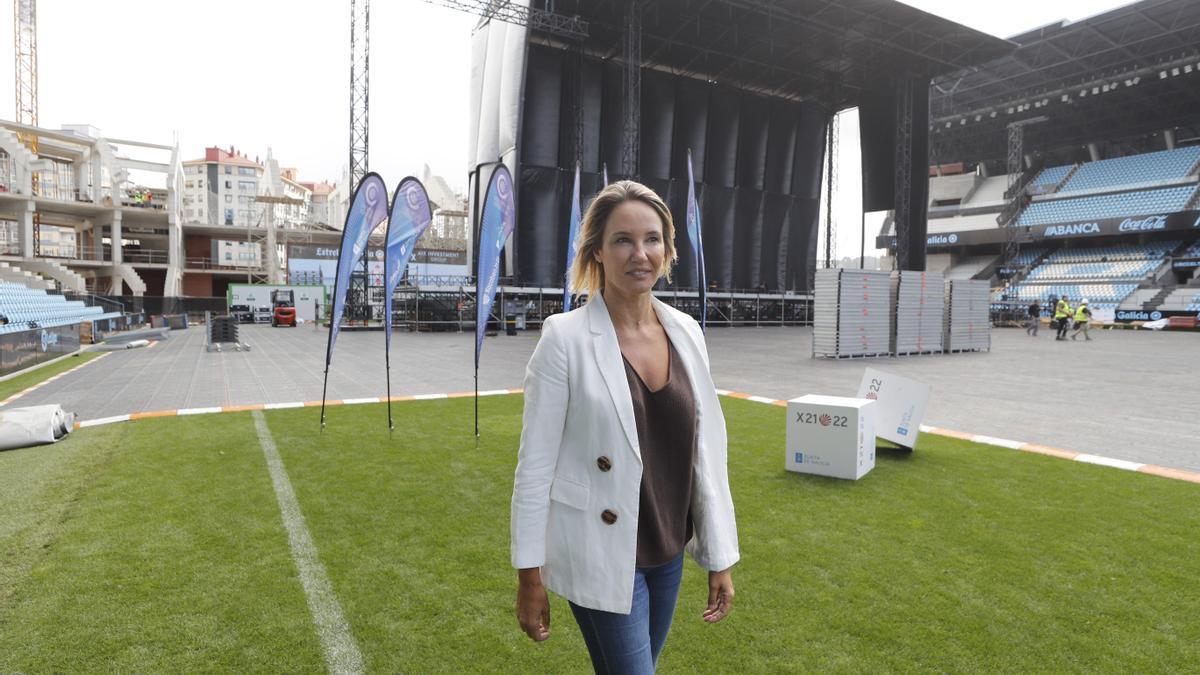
column 283, row 308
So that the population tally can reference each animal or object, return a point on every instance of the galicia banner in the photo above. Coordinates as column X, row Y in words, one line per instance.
column 409, row 218
column 572, row 232
column 368, row 208
column 499, row 219
column 695, row 235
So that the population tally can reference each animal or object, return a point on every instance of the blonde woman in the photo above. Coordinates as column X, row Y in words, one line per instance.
column 622, row 459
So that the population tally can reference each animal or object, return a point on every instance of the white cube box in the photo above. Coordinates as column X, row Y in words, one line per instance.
column 831, row 436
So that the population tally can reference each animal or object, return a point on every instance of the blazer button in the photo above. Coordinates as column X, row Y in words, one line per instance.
column 608, row 516
column 604, row 463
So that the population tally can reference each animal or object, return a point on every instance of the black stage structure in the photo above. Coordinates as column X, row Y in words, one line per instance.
column 750, row 87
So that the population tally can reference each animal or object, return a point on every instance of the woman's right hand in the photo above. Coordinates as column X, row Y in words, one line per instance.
column 533, row 606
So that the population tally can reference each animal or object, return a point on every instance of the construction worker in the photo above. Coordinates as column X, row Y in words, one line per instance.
column 1062, row 314
column 1082, row 316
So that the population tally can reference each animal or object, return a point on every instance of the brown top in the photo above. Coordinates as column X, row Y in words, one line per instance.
column 666, row 428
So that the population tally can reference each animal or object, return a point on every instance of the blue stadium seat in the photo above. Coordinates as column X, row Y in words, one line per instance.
column 1135, row 169
column 23, row 306
column 1144, row 202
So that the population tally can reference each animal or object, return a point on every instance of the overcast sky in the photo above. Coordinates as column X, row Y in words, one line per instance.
column 259, row 73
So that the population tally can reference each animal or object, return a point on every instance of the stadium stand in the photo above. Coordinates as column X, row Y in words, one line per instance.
column 27, row 308
column 1154, row 250
column 1142, row 202
column 1139, row 298
column 1192, row 251
column 1027, row 256
column 988, row 191
column 967, row 268
column 1150, row 167
column 1050, row 177
column 1183, row 299
column 1105, row 275
column 1099, row 295
column 983, row 221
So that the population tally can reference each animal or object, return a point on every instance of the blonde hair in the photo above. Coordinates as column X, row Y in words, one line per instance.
column 587, row 274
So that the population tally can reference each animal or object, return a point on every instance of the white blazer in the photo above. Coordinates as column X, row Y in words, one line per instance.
column 578, row 409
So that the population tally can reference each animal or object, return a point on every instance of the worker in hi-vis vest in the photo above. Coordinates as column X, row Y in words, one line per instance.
column 1082, row 316
column 1062, row 314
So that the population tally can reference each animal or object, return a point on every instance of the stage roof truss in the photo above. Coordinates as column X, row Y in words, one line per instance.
column 830, row 51
column 1062, row 56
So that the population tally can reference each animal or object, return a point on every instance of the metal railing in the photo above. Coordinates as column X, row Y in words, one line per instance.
column 93, row 300
column 210, row 264
column 194, row 307
column 152, row 257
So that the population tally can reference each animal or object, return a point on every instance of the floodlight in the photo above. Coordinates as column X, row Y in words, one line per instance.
column 1162, row 74
column 1175, row 72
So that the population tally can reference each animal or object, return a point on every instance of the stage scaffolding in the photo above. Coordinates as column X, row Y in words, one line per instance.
column 452, row 308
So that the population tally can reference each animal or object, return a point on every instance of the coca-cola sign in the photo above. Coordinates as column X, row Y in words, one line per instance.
column 1144, row 225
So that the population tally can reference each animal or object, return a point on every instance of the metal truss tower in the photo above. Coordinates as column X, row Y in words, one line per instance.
column 26, row 80
column 904, row 168
column 360, row 39
column 1015, row 192
column 632, row 84
column 831, row 175
column 25, row 41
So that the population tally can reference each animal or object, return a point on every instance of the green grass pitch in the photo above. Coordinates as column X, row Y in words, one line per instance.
column 157, row 545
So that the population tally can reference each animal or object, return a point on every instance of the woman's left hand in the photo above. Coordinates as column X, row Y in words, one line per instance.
column 720, row 595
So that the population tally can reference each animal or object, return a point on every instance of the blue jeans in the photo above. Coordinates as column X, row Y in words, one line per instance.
column 629, row 644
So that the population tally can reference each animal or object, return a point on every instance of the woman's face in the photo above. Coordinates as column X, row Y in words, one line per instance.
column 632, row 248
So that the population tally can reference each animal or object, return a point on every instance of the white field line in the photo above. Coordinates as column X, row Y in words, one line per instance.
column 1109, row 461
column 199, row 411
column 341, row 652
column 1002, row 442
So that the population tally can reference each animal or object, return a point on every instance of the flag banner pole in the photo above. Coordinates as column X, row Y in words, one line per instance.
column 697, row 238
column 499, row 219
column 368, row 208
column 572, row 231
column 408, row 219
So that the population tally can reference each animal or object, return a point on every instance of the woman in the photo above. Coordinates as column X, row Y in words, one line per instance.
column 622, row 458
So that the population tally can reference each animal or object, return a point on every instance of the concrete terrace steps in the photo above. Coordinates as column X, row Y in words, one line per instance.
column 58, row 272
column 10, row 272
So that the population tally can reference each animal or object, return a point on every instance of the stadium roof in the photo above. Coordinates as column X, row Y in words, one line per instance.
column 1133, row 70
column 831, row 51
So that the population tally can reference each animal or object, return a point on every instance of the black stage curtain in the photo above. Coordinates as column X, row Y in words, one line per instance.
column 877, row 137
column 918, row 198
column 756, row 161
column 539, row 226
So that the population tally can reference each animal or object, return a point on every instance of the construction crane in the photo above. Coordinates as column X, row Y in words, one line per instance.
column 25, row 43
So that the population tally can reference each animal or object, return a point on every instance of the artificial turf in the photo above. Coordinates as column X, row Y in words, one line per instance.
column 157, row 545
